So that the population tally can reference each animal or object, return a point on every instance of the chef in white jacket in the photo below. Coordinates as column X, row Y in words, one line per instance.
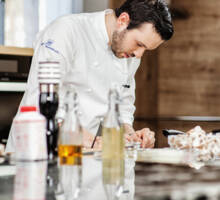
column 97, row 50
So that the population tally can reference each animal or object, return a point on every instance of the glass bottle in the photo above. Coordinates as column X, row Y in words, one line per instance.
column 70, row 147
column 71, row 138
column 49, row 79
column 113, row 149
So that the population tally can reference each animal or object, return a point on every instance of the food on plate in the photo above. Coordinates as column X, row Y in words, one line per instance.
column 205, row 145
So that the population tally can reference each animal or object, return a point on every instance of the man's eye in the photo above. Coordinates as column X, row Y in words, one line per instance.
column 140, row 45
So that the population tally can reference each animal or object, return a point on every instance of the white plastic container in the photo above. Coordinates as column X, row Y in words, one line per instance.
column 30, row 130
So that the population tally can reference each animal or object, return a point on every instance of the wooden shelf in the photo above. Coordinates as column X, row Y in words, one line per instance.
column 18, row 51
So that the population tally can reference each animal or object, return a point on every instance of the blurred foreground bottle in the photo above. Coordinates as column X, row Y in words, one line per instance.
column 113, row 149
column 70, row 147
column 49, row 79
column 30, row 180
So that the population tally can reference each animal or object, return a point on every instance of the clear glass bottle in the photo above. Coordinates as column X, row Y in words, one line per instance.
column 70, row 148
column 113, row 149
column 70, row 137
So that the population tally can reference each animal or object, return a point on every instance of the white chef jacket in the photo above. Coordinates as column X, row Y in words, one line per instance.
column 80, row 43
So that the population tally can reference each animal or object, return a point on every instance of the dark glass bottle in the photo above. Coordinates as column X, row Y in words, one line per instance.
column 49, row 78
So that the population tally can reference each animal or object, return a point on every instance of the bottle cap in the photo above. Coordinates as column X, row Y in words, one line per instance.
column 28, row 109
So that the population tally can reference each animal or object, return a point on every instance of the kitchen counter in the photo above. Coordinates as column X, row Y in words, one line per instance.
column 143, row 181
column 31, row 177
column 164, row 181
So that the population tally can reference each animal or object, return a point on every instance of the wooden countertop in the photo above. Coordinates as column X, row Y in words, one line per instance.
column 18, row 51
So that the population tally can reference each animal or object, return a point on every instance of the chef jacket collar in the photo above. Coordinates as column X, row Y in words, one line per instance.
column 104, row 28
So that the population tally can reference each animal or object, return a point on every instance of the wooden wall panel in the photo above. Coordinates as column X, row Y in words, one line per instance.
column 189, row 64
column 146, row 86
column 152, row 124
column 115, row 3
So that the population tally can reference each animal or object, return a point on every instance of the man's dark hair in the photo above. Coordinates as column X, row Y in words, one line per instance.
column 151, row 11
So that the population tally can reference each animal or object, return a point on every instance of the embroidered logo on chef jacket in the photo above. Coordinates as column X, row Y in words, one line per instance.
column 48, row 44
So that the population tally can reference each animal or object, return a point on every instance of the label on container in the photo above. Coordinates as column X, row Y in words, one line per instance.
column 30, row 139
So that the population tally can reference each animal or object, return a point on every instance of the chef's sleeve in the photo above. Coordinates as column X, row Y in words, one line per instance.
column 55, row 43
column 58, row 43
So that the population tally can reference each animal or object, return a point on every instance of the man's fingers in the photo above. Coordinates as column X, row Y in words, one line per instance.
column 152, row 133
column 152, row 139
column 128, row 137
column 148, row 138
column 135, row 138
column 145, row 140
column 151, row 146
column 145, row 136
column 87, row 138
column 98, row 143
column 152, row 143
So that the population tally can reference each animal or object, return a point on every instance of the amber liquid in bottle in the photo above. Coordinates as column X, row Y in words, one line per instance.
column 70, row 154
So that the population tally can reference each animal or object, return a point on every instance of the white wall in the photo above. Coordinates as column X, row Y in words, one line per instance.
column 49, row 10
column 24, row 18
column 95, row 5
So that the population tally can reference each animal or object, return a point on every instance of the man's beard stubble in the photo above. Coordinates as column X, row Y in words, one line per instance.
column 117, row 41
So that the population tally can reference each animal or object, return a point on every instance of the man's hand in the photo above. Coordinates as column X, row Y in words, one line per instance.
column 145, row 136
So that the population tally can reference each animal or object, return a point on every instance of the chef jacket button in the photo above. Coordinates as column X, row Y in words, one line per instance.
column 95, row 64
column 80, row 113
column 89, row 90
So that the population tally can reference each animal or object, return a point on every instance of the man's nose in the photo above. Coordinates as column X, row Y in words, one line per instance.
column 139, row 52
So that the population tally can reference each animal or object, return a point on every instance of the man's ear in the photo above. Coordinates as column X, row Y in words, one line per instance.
column 123, row 20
